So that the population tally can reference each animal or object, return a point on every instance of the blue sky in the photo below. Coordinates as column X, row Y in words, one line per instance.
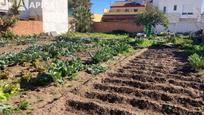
column 99, row 5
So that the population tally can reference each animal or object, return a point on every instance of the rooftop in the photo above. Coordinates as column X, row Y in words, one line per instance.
column 128, row 3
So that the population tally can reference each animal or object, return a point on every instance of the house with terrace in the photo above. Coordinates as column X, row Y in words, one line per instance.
column 121, row 16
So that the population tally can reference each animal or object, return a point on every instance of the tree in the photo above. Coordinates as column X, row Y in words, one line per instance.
column 10, row 19
column 14, row 8
column 82, row 15
column 151, row 18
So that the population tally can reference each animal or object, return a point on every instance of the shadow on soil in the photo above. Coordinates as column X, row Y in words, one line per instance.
column 42, row 80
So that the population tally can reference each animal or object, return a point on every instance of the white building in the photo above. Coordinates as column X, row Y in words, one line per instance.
column 184, row 15
column 53, row 13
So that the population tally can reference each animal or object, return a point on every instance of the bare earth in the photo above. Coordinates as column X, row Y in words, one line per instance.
column 153, row 83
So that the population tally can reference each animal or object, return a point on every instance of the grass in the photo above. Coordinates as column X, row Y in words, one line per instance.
column 94, row 35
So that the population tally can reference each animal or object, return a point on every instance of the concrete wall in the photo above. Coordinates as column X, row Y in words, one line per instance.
column 28, row 27
column 180, row 27
column 53, row 13
column 4, row 5
column 178, row 21
column 55, row 16
column 111, row 26
column 183, row 6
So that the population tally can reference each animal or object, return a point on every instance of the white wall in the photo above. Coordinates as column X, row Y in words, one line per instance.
column 55, row 16
column 178, row 21
column 193, row 6
column 180, row 27
column 4, row 5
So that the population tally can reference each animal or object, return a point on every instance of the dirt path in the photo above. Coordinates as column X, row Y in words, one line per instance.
column 156, row 82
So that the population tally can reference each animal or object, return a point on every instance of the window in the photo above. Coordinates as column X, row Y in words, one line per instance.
column 126, row 10
column 187, row 13
column 118, row 10
column 184, row 13
column 175, row 7
column 164, row 9
column 135, row 10
column 190, row 13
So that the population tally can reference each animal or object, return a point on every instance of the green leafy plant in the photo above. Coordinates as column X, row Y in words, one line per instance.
column 196, row 61
column 96, row 69
column 23, row 40
column 180, row 41
column 25, row 76
column 23, row 105
column 144, row 43
column 3, row 42
column 103, row 55
column 8, row 35
column 6, row 109
column 38, row 65
column 8, row 90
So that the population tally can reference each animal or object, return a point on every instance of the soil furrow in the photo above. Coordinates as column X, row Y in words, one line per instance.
column 154, row 95
column 156, row 82
column 159, row 87
column 147, row 78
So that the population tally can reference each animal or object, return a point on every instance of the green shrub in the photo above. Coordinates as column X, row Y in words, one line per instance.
column 196, row 61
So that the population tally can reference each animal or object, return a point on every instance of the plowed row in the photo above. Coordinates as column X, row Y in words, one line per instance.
column 156, row 82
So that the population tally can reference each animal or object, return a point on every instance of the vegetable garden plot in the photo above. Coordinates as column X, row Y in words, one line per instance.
column 56, row 63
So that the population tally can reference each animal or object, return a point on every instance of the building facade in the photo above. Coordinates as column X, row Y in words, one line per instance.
column 120, row 17
column 52, row 13
column 124, row 10
column 184, row 15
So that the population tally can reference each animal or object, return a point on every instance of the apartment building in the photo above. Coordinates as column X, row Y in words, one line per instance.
column 121, row 16
column 124, row 10
column 52, row 13
column 184, row 15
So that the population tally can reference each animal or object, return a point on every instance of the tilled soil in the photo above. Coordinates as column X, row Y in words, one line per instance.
column 156, row 82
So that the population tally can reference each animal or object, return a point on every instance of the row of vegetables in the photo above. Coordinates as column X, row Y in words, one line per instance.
column 19, row 40
column 49, row 66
